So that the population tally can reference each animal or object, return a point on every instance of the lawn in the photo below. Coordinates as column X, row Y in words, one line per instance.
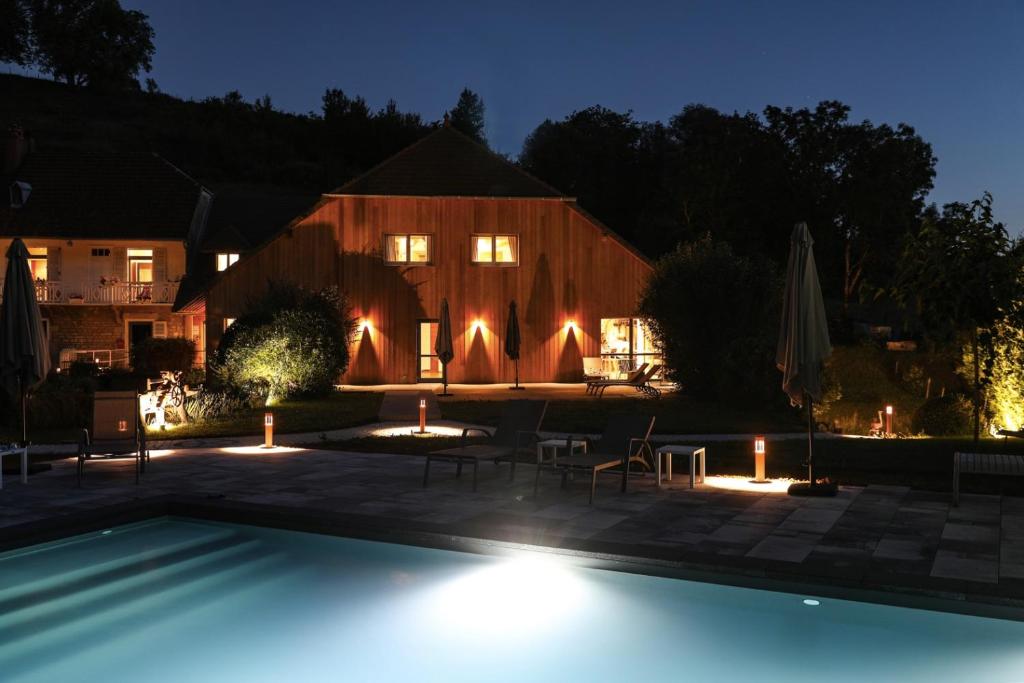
column 340, row 409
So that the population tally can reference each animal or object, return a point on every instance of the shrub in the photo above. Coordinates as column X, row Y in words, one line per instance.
column 949, row 415
column 153, row 356
column 291, row 342
column 715, row 316
column 209, row 405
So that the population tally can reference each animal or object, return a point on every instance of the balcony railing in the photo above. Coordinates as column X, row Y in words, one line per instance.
column 121, row 293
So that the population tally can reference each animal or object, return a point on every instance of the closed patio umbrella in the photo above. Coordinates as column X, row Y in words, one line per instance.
column 803, row 338
column 513, row 340
column 24, row 356
column 443, row 346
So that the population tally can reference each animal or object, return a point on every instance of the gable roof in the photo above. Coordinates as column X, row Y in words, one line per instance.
column 243, row 216
column 100, row 195
column 447, row 163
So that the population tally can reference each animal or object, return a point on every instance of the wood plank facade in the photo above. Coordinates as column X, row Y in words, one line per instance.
column 571, row 273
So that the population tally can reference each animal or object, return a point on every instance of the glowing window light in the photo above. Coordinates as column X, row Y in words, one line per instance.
column 122, row 425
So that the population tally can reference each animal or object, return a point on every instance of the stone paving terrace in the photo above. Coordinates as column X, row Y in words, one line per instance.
column 877, row 538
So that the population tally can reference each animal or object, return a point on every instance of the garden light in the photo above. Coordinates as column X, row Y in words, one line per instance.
column 759, row 453
column 423, row 416
column 268, row 430
column 888, row 419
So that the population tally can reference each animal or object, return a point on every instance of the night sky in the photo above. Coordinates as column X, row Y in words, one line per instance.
column 953, row 70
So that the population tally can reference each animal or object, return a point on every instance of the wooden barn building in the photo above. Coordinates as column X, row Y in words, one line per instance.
column 447, row 218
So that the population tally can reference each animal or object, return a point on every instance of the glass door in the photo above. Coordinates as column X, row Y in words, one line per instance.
column 428, row 367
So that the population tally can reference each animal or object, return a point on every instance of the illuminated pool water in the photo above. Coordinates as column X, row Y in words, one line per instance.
column 176, row 600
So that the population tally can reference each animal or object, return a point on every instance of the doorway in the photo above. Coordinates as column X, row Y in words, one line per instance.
column 138, row 332
column 428, row 367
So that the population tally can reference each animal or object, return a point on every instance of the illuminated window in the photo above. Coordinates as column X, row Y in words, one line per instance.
column 496, row 249
column 140, row 265
column 407, row 248
column 228, row 322
column 226, row 260
column 37, row 262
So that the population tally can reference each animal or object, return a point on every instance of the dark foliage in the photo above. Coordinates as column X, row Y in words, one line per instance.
column 468, row 115
column 154, row 356
column 715, row 315
column 949, row 415
column 91, row 42
column 15, row 32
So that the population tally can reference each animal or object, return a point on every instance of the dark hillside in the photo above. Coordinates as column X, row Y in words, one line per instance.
column 223, row 139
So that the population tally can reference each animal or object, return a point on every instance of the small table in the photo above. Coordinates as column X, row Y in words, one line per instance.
column 555, row 444
column 24, row 463
column 672, row 449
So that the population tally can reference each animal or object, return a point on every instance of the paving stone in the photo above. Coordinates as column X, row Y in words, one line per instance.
column 949, row 565
column 784, row 548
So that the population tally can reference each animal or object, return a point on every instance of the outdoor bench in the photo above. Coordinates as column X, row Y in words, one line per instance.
column 984, row 463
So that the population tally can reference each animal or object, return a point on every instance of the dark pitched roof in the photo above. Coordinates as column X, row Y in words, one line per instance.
column 447, row 163
column 100, row 195
column 243, row 216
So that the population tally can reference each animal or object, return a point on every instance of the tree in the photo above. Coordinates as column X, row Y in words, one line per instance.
column 468, row 115
column 715, row 317
column 15, row 34
column 92, row 43
column 964, row 276
column 288, row 342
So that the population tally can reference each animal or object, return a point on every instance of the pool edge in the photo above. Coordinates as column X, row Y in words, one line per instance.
column 609, row 556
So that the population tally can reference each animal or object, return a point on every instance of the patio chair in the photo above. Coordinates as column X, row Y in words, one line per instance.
column 642, row 383
column 631, row 376
column 516, row 432
column 117, row 431
column 625, row 441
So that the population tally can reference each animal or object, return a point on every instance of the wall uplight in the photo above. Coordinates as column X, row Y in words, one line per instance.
column 365, row 325
column 268, row 430
column 478, row 325
column 570, row 325
column 759, row 453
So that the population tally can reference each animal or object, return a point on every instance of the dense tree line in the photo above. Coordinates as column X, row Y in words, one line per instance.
column 746, row 179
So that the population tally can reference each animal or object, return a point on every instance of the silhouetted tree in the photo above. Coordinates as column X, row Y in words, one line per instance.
column 15, row 34
column 964, row 276
column 91, row 42
column 468, row 115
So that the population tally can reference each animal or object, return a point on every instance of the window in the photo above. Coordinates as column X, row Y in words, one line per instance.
column 224, row 261
column 228, row 322
column 625, row 344
column 37, row 262
column 140, row 265
column 496, row 249
column 408, row 248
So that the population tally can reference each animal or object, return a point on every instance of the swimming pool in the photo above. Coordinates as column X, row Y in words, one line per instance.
column 184, row 600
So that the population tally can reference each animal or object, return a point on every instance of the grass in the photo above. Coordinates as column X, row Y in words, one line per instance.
column 337, row 411
column 673, row 415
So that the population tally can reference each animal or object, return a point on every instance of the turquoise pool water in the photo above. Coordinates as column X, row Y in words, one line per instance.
column 181, row 600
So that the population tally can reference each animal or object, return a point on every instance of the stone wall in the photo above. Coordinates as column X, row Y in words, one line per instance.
column 101, row 327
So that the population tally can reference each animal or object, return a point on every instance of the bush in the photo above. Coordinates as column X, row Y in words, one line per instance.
column 210, row 405
column 153, row 356
column 292, row 342
column 949, row 415
column 715, row 316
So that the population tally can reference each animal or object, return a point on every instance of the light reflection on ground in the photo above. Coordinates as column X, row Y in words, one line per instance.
column 744, row 484
column 406, row 430
column 259, row 450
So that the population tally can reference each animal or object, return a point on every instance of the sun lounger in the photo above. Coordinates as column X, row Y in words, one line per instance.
column 625, row 441
column 516, row 432
column 631, row 376
column 641, row 382
column 116, row 431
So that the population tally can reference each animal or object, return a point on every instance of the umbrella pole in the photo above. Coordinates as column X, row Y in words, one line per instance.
column 810, row 438
column 516, row 387
column 444, row 380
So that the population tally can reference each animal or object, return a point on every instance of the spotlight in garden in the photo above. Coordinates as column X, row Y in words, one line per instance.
column 759, row 453
column 268, row 430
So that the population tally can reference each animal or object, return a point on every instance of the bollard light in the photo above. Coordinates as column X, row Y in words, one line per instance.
column 888, row 419
column 268, row 430
column 423, row 416
column 759, row 453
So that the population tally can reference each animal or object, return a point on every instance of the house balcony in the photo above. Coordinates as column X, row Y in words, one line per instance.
column 114, row 293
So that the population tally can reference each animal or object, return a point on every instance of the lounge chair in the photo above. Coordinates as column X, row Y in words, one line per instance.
column 631, row 376
column 516, row 432
column 625, row 441
column 116, row 431
column 642, row 382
